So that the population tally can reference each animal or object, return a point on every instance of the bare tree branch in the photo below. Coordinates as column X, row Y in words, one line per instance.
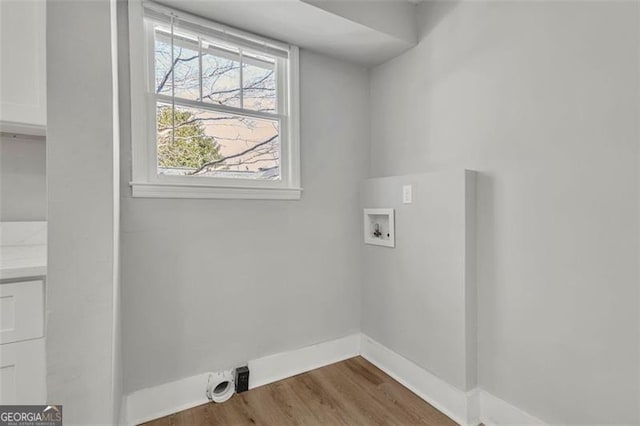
column 252, row 86
column 197, row 119
column 228, row 157
column 261, row 160
column 168, row 73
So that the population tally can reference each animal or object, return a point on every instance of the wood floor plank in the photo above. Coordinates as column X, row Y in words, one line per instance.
column 403, row 398
column 352, row 392
column 328, row 408
column 365, row 409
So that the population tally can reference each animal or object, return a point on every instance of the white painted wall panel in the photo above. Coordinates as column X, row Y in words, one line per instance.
column 542, row 98
column 23, row 180
column 415, row 295
column 82, row 172
column 210, row 284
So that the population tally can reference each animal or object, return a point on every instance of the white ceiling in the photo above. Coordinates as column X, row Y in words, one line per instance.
column 361, row 31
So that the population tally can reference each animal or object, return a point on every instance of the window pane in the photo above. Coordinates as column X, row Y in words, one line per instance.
column 259, row 83
column 215, row 144
column 163, row 63
column 185, row 72
column 220, row 74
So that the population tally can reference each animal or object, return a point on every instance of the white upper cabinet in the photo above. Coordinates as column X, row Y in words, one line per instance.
column 23, row 105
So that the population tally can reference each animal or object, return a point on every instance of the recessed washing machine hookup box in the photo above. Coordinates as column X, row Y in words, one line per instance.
column 379, row 227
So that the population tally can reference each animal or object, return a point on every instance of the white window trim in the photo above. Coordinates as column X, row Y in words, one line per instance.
column 145, row 181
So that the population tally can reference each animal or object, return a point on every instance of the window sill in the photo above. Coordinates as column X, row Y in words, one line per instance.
column 155, row 190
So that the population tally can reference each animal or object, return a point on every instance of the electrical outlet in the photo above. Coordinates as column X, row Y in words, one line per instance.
column 407, row 194
column 242, row 379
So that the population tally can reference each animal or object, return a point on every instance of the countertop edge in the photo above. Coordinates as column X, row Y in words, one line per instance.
column 23, row 272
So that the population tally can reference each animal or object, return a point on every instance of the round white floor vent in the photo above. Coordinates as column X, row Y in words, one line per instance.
column 221, row 386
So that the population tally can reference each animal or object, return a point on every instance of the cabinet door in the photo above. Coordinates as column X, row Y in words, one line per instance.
column 22, row 373
column 21, row 311
column 23, row 59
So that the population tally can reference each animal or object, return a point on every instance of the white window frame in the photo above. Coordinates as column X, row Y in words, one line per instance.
column 146, row 182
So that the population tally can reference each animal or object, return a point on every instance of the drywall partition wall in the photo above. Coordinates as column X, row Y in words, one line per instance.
column 82, row 212
column 419, row 298
column 542, row 99
column 117, row 390
column 210, row 284
column 23, row 182
column 396, row 19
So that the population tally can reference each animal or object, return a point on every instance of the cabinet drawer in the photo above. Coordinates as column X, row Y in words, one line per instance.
column 21, row 311
column 22, row 373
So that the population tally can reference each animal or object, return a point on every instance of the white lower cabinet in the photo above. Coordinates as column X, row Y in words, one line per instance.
column 21, row 311
column 22, row 345
column 22, row 373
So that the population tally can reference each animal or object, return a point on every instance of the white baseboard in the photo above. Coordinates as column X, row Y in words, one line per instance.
column 168, row 398
column 159, row 401
column 466, row 408
column 495, row 412
column 446, row 398
column 122, row 418
column 276, row 367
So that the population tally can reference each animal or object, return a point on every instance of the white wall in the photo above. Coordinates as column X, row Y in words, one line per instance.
column 23, row 181
column 210, row 284
column 82, row 171
column 418, row 299
column 543, row 99
column 117, row 364
column 396, row 18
